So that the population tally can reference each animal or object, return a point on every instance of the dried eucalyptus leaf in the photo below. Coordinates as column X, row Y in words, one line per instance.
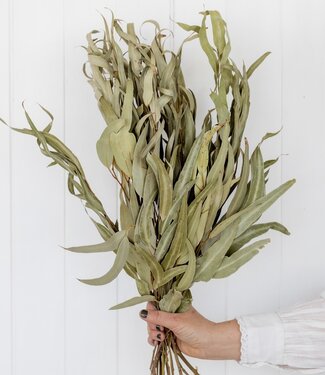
column 186, row 302
column 171, row 273
column 206, row 46
column 165, row 188
column 104, row 150
column 218, row 28
column 241, row 190
column 165, row 241
column 256, row 64
column 133, row 301
column 257, row 185
column 110, row 245
column 186, row 27
column 171, row 301
column 250, row 214
column 176, row 204
column 126, row 217
column 154, row 266
column 268, row 163
column 119, row 263
column 148, row 87
column 255, row 231
column 187, row 279
column 211, row 259
column 269, row 135
column 179, row 237
column 139, row 166
column 188, row 168
column 231, row 264
column 123, row 144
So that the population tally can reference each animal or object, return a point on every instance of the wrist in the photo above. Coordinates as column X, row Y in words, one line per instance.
column 226, row 338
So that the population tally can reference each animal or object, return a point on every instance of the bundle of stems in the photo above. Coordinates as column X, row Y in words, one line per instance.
column 189, row 202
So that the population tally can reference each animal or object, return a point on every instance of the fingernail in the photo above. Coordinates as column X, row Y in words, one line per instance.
column 143, row 313
column 158, row 328
column 159, row 336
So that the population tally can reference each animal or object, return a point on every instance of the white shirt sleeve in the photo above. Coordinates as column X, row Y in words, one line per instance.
column 292, row 339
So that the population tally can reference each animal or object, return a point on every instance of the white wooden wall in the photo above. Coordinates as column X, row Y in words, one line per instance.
column 49, row 322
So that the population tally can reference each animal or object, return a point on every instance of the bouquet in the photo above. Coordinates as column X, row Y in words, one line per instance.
column 189, row 202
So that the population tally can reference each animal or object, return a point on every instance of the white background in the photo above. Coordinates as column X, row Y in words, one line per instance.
column 52, row 324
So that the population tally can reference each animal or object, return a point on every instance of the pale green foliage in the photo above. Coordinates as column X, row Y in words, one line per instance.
column 174, row 227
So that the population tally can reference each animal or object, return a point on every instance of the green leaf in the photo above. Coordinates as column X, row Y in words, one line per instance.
column 148, row 87
column 104, row 150
column 165, row 190
column 207, row 48
column 211, row 259
column 268, row 163
column 193, row 223
column 241, row 189
column 128, row 104
column 119, row 263
column 171, row 273
column 110, row 245
column 218, row 28
column 123, row 144
column 126, row 217
column 219, row 162
column 153, row 141
column 144, row 222
column 179, row 238
column 176, row 204
column 133, row 301
column 165, row 241
column 106, row 110
column 255, row 231
column 257, row 185
column 251, row 213
column 217, row 194
column 200, row 230
column 232, row 263
column 203, row 159
column 187, row 279
column 171, row 301
column 186, row 302
column 188, row 169
column 256, row 64
column 220, row 102
column 139, row 167
column 154, row 266
column 186, row 27
column 269, row 135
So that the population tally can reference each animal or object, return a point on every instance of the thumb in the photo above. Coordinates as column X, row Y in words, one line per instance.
column 161, row 318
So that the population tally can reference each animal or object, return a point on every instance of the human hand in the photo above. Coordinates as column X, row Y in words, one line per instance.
column 196, row 336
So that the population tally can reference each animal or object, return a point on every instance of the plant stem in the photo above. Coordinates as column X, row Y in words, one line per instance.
column 163, row 357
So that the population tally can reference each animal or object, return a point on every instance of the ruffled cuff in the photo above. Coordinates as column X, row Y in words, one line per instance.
column 262, row 339
column 292, row 339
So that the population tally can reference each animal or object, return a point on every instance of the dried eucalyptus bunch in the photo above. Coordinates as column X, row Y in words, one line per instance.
column 188, row 203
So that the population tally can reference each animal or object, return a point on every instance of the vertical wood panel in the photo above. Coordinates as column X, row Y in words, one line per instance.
column 37, row 192
column 208, row 298
column 255, row 29
column 5, row 216
column 90, row 327
column 303, row 141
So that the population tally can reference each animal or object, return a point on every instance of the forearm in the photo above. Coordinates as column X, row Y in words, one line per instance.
column 226, row 341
